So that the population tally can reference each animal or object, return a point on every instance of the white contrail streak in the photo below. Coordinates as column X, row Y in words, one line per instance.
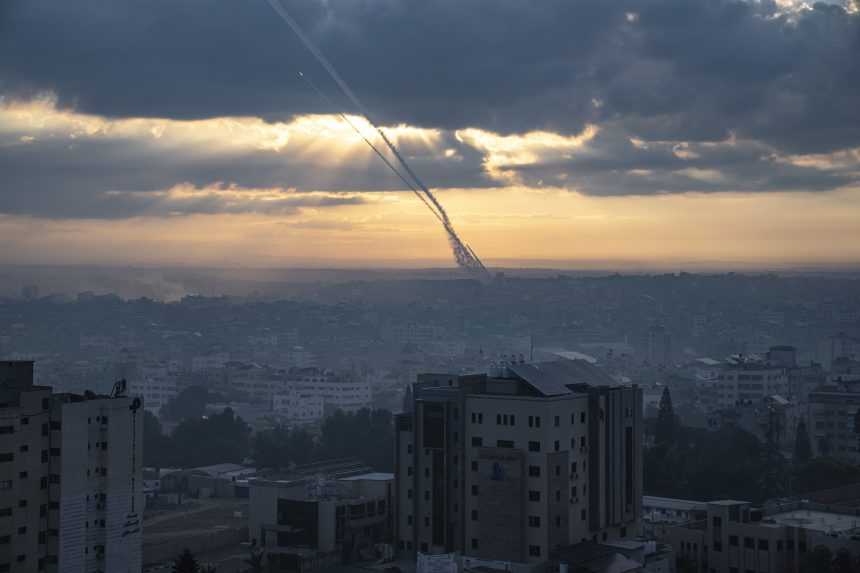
column 464, row 256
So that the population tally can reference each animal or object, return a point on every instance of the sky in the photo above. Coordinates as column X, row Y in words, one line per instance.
column 609, row 133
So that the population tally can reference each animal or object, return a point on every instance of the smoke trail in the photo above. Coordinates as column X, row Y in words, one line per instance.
column 464, row 256
column 375, row 149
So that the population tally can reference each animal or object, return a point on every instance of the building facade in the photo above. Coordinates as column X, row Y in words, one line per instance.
column 71, row 495
column 512, row 465
column 737, row 537
column 310, row 523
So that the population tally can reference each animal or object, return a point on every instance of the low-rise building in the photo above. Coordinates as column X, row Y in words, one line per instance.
column 305, row 523
column 736, row 537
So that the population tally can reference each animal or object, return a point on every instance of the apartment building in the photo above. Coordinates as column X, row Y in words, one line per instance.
column 736, row 537
column 71, row 497
column 514, row 464
column 337, row 391
column 749, row 380
column 155, row 384
column 831, row 426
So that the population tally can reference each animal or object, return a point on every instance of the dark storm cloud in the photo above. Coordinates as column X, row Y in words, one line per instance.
column 678, row 69
column 695, row 71
column 614, row 165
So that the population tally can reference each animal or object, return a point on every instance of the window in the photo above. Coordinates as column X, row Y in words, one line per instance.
column 513, row 420
column 534, row 521
column 557, row 470
column 475, row 489
column 474, row 515
column 557, row 446
column 427, row 472
column 426, row 495
column 408, row 520
column 7, row 429
column 583, row 515
column 534, row 471
column 733, row 540
column 498, row 419
column 474, row 466
column 582, row 418
column 409, row 471
column 480, row 418
column 24, row 448
column 477, row 442
column 5, row 484
column 474, row 543
column 582, row 442
column 22, row 503
column 534, row 495
column 572, row 467
column 534, row 446
column 474, row 418
column 22, row 530
column 749, row 543
column 534, row 550
column 409, row 494
column 426, row 521
column 558, row 521
column 557, row 421
column 504, row 444
column 531, row 421
column 7, row 457
column 572, row 418
column 409, row 448
column 537, row 421
column 763, row 544
column 573, row 492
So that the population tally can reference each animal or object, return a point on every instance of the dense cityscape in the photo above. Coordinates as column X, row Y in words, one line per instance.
column 367, row 420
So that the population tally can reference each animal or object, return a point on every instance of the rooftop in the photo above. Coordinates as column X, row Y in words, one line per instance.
column 824, row 521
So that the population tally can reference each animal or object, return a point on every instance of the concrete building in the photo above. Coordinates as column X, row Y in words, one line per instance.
column 338, row 392
column 307, row 523
column 154, row 384
column 749, row 380
column 659, row 346
column 832, row 409
column 71, row 496
column 735, row 537
column 513, row 465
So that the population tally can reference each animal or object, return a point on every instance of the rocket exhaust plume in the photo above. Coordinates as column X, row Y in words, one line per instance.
column 464, row 255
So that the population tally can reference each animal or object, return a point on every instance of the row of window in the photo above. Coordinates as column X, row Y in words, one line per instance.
column 534, row 445
column 534, row 421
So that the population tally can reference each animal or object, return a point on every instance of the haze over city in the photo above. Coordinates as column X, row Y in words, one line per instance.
column 430, row 286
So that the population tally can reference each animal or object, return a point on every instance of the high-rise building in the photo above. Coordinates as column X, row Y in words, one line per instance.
column 517, row 463
column 71, row 497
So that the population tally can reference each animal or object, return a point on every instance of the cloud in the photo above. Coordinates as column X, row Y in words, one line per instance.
column 779, row 72
column 63, row 164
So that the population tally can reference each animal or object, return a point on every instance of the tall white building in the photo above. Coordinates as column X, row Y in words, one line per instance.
column 336, row 391
column 71, row 496
column 155, row 384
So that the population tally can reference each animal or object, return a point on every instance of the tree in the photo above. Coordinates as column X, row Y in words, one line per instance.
column 157, row 448
column 281, row 447
column 186, row 563
column 665, row 430
column 217, row 439
column 366, row 434
column 190, row 403
column 802, row 444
